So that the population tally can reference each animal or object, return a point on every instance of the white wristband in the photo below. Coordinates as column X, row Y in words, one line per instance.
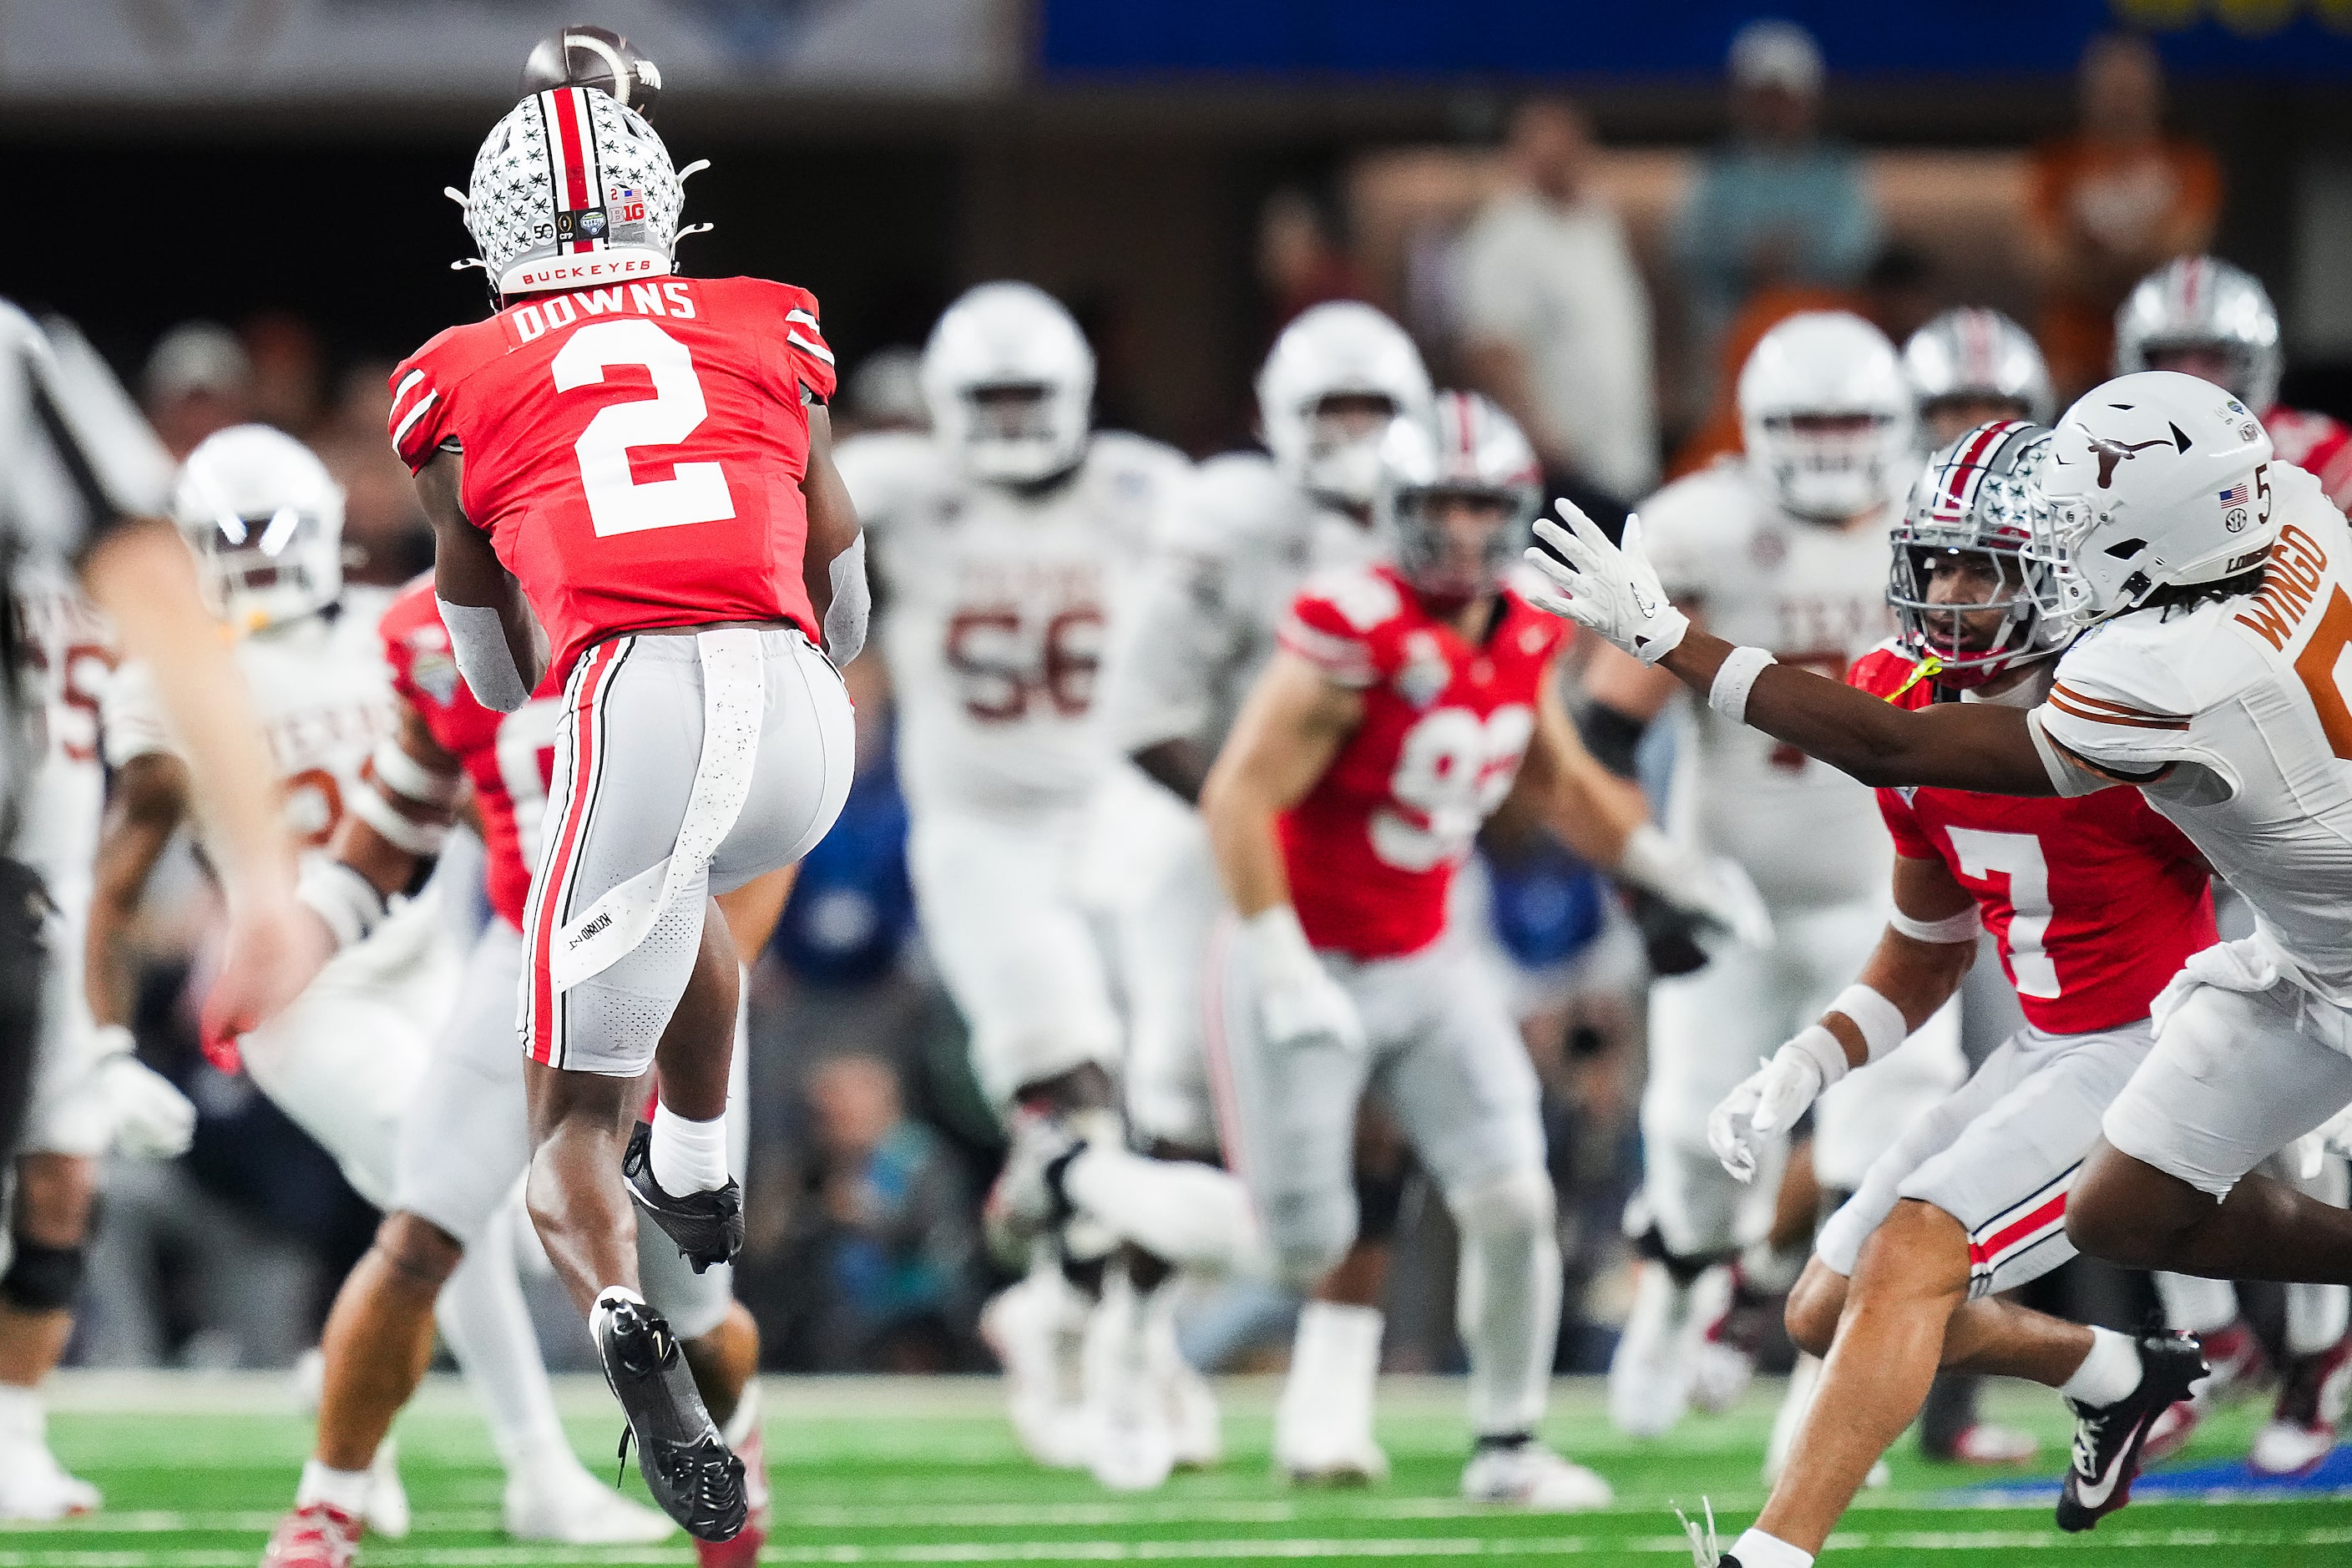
column 404, row 776
column 1826, row 1050
column 1734, row 680
column 112, row 1040
column 341, row 897
column 1880, row 1021
column 1278, row 949
column 1958, row 927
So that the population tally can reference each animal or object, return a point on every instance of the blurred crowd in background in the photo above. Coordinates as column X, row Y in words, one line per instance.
column 1606, row 299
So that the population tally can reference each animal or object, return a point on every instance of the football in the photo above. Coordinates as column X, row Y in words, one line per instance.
column 594, row 56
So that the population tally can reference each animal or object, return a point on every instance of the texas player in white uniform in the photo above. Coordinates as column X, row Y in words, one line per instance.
column 1785, row 547
column 1221, row 579
column 2213, row 581
column 1392, row 720
column 1007, row 545
column 2203, row 317
column 264, row 520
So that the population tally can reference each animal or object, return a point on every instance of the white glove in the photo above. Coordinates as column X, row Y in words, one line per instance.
column 1711, row 888
column 1298, row 1001
column 1770, row 1099
column 1610, row 588
column 153, row 1119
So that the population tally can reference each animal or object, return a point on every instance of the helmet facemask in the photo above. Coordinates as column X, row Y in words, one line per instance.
column 1829, row 466
column 1344, row 430
column 1962, row 594
column 265, row 521
column 1454, row 543
column 1018, row 433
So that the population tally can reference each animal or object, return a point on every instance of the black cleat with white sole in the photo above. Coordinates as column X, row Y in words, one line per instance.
column 2108, row 1437
column 707, row 1226
column 687, row 1466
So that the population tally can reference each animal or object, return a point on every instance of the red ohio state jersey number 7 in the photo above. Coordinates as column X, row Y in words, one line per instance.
column 619, row 502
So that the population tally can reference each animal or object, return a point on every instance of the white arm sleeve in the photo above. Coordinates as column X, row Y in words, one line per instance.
column 845, row 617
column 478, row 638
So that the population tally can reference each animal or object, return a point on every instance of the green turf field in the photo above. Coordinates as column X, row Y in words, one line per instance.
column 196, row 1469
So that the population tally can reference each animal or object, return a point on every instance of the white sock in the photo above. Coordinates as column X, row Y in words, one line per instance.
column 746, row 1419
column 1184, row 1212
column 689, row 1156
column 1756, row 1550
column 1335, row 1362
column 2197, row 1305
column 23, row 1421
column 2316, row 1317
column 1506, row 1299
column 2108, row 1373
column 483, row 1316
column 344, row 1490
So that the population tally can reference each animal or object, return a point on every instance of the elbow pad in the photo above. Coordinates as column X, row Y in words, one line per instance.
column 478, row 638
column 1613, row 738
column 844, row 620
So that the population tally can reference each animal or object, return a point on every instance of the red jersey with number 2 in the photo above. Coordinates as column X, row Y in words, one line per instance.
column 635, row 452
column 1372, row 849
column 507, row 757
column 2095, row 903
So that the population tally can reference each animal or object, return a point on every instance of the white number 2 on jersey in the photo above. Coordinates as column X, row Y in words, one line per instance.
column 2018, row 856
column 1453, row 769
column 618, row 501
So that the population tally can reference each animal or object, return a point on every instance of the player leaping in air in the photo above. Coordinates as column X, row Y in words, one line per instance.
column 638, row 463
column 2216, row 579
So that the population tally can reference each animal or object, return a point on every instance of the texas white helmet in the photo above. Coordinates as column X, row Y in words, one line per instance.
column 1471, row 450
column 573, row 188
column 1975, row 355
column 1010, row 383
column 2153, row 480
column 1343, row 348
column 265, row 521
column 1826, row 415
column 1973, row 499
column 2201, row 302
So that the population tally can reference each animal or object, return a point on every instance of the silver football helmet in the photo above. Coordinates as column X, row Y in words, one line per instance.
column 1341, row 348
column 572, row 188
column 1010, row 383
column 1469, row 450
column 2202, row 304
column 1975, row 355
column 1973, row 500
column 265, row 521
column 1826, row 415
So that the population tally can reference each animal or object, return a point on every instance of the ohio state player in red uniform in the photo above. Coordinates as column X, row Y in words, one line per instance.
column 641, row 460
column 1403, row 707
column 465, row 1140
column 2095, row 903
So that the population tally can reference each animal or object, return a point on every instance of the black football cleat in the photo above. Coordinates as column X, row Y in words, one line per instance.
column 687, row 1466
column 2108, row 1437
column 707, row 1226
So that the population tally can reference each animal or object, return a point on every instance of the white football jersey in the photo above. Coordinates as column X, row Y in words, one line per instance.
column 68, row 657
column 1223, row 574
column 1816, row 598
column 997, row 609
column 2249, row 701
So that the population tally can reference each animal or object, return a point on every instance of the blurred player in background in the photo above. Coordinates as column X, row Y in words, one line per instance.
column 1970, row 366
column 2207, row 319
column 705, row 738
column 1788, row 544
column 1394, row 718
column 465, row 1139
column 81, row 505
column 2095, row 903
column 1220, row 581
column 1008, row 540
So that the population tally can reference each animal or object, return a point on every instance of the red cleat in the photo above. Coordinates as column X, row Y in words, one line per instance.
column 318, row 1536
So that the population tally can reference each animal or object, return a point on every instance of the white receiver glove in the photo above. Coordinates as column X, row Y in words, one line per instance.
column 1711, row 888
column 1298, row 1001
column 1610, row 588
column 1770, row 1099
column 153, row 1119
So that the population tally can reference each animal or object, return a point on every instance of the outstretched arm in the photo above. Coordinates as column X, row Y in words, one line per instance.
column 1971, row 746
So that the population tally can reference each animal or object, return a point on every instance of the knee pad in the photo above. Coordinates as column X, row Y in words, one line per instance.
column 1516, row 1203
column 43, row 1278
column 1380, row 1201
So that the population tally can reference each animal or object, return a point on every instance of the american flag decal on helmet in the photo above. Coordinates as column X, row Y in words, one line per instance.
column 2237, row 494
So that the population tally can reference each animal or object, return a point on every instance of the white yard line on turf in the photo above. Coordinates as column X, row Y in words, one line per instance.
column 388, row 1556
